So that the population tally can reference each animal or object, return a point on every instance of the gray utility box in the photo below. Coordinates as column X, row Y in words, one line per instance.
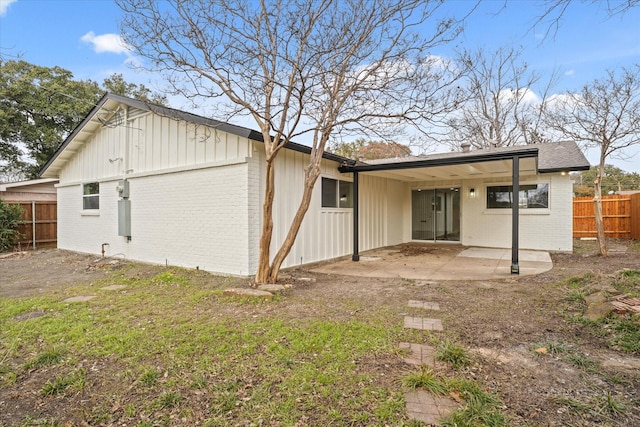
column 124, row 217
column 123, row 189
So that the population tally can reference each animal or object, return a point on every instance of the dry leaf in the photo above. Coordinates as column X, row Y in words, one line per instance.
column 455, row 396
column 541, row 350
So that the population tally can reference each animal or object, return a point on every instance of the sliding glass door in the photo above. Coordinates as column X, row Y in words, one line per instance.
column 435, row 214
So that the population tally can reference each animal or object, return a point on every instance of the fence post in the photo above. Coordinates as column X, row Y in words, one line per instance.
column 33, row 224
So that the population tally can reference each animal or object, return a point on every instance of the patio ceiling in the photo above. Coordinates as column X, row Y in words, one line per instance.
column 484, row 169
column 452, row 166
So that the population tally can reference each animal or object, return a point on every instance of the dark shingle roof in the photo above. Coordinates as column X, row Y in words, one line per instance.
column 552, row 157
column 561, row 156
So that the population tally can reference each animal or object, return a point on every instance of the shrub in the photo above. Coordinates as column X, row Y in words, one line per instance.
column 9, row 218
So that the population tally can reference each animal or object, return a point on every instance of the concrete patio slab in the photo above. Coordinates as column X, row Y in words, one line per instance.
column 440, row 262
column 505, row 254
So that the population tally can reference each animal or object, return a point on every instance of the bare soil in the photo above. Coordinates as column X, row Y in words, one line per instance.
column 501, row 322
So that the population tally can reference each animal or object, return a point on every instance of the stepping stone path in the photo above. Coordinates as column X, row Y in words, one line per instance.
column 424, row 406
column 113, row 287
column 423, row 323
column 247, row 293
column 420, row 404
column 80, row 298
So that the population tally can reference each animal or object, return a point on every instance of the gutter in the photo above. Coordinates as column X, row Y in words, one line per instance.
column 447, row 161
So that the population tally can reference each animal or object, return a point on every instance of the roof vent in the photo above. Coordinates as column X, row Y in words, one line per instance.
column 466, row 147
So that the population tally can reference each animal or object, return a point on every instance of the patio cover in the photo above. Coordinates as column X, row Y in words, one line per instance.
column 503, row 161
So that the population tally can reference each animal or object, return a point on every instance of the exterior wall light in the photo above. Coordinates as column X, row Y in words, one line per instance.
column 472, row 193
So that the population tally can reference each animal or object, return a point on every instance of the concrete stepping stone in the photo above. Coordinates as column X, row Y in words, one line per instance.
column 113, row 287
column 424, row 304
column 424, row 406
column 247, row 293
column 276, row 289
column 80, row 298
column 422, row 323
column 421, row 354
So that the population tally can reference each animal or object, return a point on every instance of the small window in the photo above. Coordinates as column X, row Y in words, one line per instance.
column 91, row 196
column 534, row 196
column 336, row 193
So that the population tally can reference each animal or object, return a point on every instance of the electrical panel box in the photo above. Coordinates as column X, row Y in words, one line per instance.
column 123, row 189
column 124, row 217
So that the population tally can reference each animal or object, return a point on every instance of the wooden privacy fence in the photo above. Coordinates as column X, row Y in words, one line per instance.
column 39, row 224
column 621, row 216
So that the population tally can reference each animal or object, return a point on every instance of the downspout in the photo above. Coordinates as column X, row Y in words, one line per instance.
column 356, row 255
column 515, row 215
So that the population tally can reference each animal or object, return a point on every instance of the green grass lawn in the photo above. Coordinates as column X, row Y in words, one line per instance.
column 168, row 347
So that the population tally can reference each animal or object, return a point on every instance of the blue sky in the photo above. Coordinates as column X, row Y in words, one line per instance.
column 82, row 36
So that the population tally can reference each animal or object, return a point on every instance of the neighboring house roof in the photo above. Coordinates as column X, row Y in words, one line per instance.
column 32, row 190
column 552, row 157
column 32, row 185
column 103, row 112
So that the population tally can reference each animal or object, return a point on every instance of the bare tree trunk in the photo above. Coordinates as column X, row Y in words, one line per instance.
column 268, row 271
column 264, row 270
column 311, row 175
column 597, row 200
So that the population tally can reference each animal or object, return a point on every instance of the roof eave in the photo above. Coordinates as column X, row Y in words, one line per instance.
column 450, row 161
column 566, row 169
column 76, row 131
column 183, row 115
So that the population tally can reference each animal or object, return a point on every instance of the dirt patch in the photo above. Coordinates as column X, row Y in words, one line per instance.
column 500, row 322
column 31, row 273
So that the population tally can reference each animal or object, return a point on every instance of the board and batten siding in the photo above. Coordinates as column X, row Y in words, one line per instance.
column 151, row 143
column 327, row 233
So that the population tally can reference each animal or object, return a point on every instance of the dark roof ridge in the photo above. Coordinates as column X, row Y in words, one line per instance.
column 552, row 157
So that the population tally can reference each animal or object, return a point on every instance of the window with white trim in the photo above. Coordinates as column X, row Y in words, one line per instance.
column 91, row 196
column 337, row 193
column 531, row 196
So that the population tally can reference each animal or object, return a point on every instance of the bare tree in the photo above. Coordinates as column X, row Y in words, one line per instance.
column 554, row 10
column 316, row 68
column 605, row 114
column 501, row 107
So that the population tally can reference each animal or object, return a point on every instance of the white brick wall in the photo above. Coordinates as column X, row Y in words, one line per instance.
column 191, row 218
column 539, row 229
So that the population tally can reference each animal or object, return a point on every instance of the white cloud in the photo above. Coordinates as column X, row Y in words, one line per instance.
column 109, row 42
column 524, row 95
column 569, row 73
column 563, row 100
column 4, row 5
